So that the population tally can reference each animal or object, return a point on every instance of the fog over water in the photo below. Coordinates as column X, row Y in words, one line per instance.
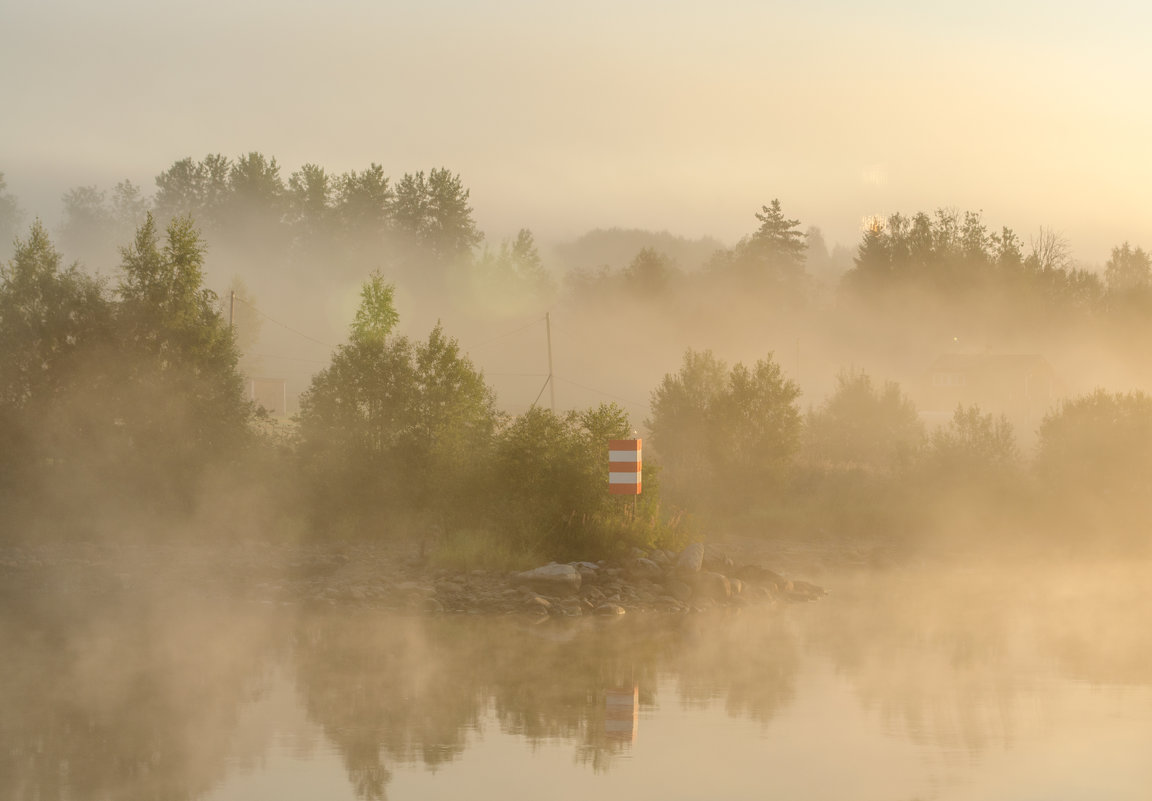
column 941, row 682
column 321, row 327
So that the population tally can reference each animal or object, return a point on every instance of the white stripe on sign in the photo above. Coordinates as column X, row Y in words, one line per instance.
column 623, row 478
column 623, row 456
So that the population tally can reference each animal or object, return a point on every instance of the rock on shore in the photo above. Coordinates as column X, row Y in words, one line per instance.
column 386, row 577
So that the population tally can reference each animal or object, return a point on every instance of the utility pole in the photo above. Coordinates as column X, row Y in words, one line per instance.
column 551, row 383
column 232, row 310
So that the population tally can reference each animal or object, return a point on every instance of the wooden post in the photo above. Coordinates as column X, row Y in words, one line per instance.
column 551, row 383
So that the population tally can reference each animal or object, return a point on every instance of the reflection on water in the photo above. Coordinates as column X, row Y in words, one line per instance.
column 135, row 702
column 954, row 682
column 622, row 713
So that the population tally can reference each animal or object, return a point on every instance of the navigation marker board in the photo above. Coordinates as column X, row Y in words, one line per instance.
column 624, row 466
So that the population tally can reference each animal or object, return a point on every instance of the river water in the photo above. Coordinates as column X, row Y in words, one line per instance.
column 916, row 683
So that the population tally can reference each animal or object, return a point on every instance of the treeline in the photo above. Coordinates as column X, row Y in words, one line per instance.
column 125, row 400
column 945, row 273
column 127, row 397
column 129, row 388
column 861, row 466
column 311, row 225
column 989, row 280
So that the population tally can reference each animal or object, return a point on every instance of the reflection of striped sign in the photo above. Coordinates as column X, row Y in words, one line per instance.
column 624, row 466
column 622, row 713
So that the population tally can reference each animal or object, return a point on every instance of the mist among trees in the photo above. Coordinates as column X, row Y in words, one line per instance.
column 122, row 382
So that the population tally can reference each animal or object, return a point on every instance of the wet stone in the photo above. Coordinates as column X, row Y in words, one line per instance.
column 713, row 586
column 539, row 605
column 691, row 559
column 679, row 590
column 551, row 579
column 644, row 568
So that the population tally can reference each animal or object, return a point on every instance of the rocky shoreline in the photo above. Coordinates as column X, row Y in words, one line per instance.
column 395, row 577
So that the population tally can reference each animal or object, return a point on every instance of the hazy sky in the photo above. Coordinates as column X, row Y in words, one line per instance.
column 567, row 116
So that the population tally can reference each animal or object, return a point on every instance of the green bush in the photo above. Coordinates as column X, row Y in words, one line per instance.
column 552, row 487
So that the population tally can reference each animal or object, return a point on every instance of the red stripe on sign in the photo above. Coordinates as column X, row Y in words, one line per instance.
column 623, row 489
column 624, row 444
column 623, row 467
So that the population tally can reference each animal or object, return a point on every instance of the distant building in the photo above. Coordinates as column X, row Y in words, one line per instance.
column 270, row 393
column 1021, row 386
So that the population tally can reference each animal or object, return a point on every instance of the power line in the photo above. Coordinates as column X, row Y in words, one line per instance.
column 285, row 358
column 605, row 394
column 498, row 337
column 283, row 325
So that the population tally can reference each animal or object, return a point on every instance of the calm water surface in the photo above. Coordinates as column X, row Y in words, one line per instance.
column 973, row 683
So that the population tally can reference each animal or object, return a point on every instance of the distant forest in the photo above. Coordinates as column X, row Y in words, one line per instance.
column 121, row 391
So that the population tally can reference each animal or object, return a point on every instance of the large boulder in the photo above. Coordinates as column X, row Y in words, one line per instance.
column 590, row 572
column 690, row 559
column 716, row 560
column 804, row 591
column 554, row 580
column 755, row 574
column 679, row 590
column 645, row 569
column 713, row 585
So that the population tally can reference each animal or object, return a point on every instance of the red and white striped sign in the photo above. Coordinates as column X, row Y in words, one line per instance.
column 624, row 466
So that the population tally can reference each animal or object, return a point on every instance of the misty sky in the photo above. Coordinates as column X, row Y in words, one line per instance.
column 566, row 116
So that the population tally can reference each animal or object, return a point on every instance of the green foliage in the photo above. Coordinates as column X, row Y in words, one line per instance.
column 434, row 212
column 365, row 201
column 392, row 423
column 684, row 408
column 455, row 424
column 481, row 549
column 862, row 425
column 10, row 216
column 650, row 275
column 973, row 446
column 954, row 258
column 616, row 246
column 1128, row 269
column 95, row 224
column 552, row 476
column 141, row 391
column 418, row 228
column 376, row 316
column 1099, row 445
column 514, row 277
column 87, row 221
column 254, row 180
column 309, row 202
column 199, row 189
column 771, row 259
column 53, row 322
column 47, row 315
column 725, row 434
column 361, row 405
column 778, row 239
column 180, row 394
